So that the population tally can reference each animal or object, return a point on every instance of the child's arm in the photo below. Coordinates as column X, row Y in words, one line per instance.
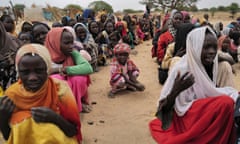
column 81, row 67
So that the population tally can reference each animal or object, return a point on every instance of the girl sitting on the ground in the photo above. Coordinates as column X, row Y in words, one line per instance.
column 124, row 72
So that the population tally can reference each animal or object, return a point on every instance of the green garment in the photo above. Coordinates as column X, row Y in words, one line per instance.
column 81, row 67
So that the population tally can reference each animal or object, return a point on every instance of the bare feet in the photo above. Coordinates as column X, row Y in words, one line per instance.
column 111, row 94
column 140, row 87
column 86, row 108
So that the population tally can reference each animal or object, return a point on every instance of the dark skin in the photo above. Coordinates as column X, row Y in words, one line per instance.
column 81, row 32
column 177, row 19
column 66, row 47
column 184, row 82
column 39, row 34
column 9, row 24
column 226, row 48
column 25, row 38
column 33, row 73
column 132, row 81
column 109, row 27
column 27, row 28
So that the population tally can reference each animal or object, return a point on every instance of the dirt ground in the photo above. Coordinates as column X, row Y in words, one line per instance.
column 124, row 119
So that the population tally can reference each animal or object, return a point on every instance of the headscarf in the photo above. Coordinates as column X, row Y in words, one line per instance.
column 8, row 45
column 87, row 13
column 88, row 35
column 124, row 29
column 181, row 36
column 78, row 45
column 24, row 99
column 171, row 28
column 191, row 62
column 226, row 31
column 185, row 14
column 52, row 42
column 121, row 48
column 71, row 30
column 34, row 49
column 220, row 41
column 217, row 27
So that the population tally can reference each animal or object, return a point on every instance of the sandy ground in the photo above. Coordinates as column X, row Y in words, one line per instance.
column 124, row 119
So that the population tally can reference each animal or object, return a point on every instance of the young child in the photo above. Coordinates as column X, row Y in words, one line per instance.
column 124, row 72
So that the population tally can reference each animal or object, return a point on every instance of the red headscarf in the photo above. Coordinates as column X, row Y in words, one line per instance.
column 121, row 48
column 53, row 42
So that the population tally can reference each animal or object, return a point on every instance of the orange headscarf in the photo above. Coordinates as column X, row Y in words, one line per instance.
column 54, row 94
column 53, row 42
column 25, row 100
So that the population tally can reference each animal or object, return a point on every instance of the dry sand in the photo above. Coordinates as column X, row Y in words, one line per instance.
column 124, row 119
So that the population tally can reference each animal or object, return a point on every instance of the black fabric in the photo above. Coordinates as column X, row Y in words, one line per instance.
column 7, row 73
column 162, row 75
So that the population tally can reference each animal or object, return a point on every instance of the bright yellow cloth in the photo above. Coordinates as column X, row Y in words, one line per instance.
column 1, row 91
column 30, row 132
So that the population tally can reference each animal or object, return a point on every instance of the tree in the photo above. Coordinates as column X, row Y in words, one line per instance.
column 72, row 10
column 73, row 6
column 19, row 7
column 213, row 10
column 100, row 5
column 221, row 8
column 233, row 9
column 169, row 4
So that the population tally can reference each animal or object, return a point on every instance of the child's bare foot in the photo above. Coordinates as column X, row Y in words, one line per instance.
column 131, row 88
column 140, row 87
column 86, row 108
column 111, row 94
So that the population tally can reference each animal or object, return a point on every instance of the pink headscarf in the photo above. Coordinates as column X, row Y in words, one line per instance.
column 220, row 41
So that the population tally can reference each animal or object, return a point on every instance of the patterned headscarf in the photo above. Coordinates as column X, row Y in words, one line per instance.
column 121, row 48
column 33, row 49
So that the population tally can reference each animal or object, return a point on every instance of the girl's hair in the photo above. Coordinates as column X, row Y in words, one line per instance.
column 89, row 25
column 40, row 23
column 4, row 17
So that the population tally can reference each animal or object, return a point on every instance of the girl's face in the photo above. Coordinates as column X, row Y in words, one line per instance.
column 32, row 72
column 113, row 40
column 66, row 44
column 103, row 18
column 209, row 50
column 226, row 44
column 39, row 34
column 27, row 28
column 122, row 58
column 81, row 33
column 25, row 38
column 9, row 24
column 177, row 20
column 109, row 27
column 94, row 28
column 72, row 22
column 120, row 28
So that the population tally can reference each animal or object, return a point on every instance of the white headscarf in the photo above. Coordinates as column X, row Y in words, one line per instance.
column 191, row 62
